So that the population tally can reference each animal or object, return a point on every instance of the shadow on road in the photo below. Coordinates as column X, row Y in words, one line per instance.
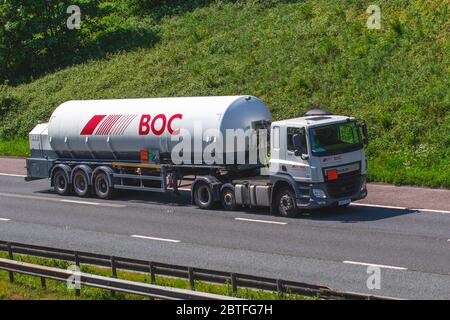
column 352, row 214
column 169, row 198
column 344, row 215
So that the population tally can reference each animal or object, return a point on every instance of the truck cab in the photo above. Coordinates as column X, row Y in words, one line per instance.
column 317, row 161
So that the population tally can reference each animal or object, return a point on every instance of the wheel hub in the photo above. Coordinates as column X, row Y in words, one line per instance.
column 61, row 182
column 80, row 183
column 228, row 199
column 286, row 203
column 103, row 186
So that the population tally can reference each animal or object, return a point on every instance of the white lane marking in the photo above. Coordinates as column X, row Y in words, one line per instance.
column 4, row 219
column 432, row 210
column 12, row 175
column 93, row 203
column 399, row 208
column 374, row 265
column 109, row 205
column 377, row 206
column 154, row 238
column 261, row 221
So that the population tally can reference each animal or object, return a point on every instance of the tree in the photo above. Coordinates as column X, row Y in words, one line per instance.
column 34, row 37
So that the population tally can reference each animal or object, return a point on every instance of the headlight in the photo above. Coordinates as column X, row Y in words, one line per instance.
column 319, row 193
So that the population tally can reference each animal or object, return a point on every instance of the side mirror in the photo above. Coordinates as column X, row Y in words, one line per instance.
column 365, row 134
column 297, row 141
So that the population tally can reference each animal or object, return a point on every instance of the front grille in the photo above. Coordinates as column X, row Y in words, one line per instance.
column 344, row 186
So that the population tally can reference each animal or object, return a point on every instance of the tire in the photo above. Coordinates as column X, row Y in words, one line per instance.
column 203, row 196
column 103, row 189
column 80, row 184
column 286, row 203
column 228, row 199
column 61, row 182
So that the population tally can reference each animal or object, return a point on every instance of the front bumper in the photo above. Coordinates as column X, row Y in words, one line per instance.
column 309, row 201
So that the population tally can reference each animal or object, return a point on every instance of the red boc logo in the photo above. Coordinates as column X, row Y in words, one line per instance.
column 158, row 124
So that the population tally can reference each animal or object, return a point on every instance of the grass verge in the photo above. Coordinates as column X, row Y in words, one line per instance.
column 29, row 288
column 14, row 148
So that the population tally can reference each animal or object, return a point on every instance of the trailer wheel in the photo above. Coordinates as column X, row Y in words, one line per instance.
column 102, row 187
column 203, row 196
column 286, row 203
column 61, row 182
column 80, row 183
column 228, row 199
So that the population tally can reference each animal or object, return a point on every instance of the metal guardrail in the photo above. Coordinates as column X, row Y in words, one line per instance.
column 108, row 283
column 191, row 274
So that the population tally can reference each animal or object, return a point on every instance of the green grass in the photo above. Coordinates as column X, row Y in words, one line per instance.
column 27, row 287
column 293, row 55
column 15, row 148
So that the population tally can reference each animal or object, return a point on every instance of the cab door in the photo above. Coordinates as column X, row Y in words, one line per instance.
column 296, row 165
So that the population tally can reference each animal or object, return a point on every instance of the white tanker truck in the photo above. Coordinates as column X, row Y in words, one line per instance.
column 100, row 146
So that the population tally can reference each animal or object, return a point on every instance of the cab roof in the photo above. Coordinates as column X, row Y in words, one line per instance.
column 313, row 121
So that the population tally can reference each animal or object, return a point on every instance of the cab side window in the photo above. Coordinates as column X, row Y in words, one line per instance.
column 291, row 132
column 276, row 138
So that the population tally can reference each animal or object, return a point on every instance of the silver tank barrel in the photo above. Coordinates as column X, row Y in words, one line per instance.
column 121, row 129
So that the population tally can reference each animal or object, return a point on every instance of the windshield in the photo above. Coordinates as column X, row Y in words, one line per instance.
column 335, row 139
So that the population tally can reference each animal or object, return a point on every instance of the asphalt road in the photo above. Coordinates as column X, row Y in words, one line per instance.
column 328, row 248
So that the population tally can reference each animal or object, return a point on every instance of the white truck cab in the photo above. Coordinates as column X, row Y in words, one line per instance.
column 321, row 157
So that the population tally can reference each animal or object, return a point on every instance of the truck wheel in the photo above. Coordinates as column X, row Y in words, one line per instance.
column 81, row 184
column 61, row 182
column 203, row 196
column 102, row 187
column 228, row 199
column 286, row 203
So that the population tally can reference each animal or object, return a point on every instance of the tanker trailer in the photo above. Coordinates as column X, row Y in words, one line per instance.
column 97, row 147
column 121, row 129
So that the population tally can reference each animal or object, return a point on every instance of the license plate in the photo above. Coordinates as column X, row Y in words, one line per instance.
column 344, row 202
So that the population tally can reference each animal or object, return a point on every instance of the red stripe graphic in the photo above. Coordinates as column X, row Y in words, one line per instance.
column 108, row 129
column 92, row 124
column 106, row 125
column 115, row 124
column 102, row 127
column 127, row 124
column 119, row 125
